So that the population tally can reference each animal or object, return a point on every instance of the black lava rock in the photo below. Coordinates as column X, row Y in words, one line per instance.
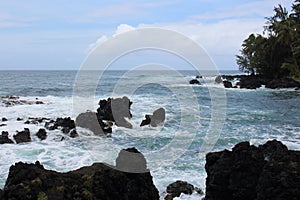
column 270, row 171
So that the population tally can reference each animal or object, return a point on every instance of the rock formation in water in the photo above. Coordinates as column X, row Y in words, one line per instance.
column 269, row 171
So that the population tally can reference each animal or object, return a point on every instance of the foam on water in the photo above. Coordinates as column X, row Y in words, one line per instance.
column 252, row 115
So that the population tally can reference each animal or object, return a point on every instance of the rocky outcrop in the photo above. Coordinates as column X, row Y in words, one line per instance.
column 158, row 117
column 4, row 138
column 22, row 136
column 195, row 82
column 282, row 83
column 177, row 188
column 227, row 84
column 115, row 110
column 66, row 125
column 111, row 110
column 15, row 100
column 91, row 121
column 269, row 171
column 99, row 181
column 41, row 134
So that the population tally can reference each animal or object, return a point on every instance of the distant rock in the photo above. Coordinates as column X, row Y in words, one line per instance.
column 23, row 136
column 66, row 125
column 195, row 82
column 227, row 84
column 3, row 125
column 199, row 76
column 218, row 80
column 19, row 119
column 269, row 171
column 158, row 117
column 99, row 181
column 15, row 100
column 35, row 120
column 4, row 138
column 4, row 119
column 41, row 134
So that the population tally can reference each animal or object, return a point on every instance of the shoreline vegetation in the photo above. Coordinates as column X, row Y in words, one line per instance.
column 275, row 54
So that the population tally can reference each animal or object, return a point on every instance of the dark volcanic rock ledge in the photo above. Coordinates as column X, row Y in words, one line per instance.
column 269, row 171
column 99, row 181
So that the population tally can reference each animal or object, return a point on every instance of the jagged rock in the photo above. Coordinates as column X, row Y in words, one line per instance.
column 227, row 84
column 4, row 119
column 178, row 187
column 23, row 136
column 66, row 124
column 116, row 110
column 4, row 138
column 131, row 160
column 73, row 133
column 158, row 117
column 99, row 181
column 41, row 134
column 195, row 81
column 91, row 121
column 218, row 79
column 269, row 171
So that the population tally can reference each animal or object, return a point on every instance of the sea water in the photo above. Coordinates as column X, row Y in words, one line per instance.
column 174, row 149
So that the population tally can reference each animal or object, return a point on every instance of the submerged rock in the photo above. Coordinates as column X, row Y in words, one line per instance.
column 23, row 136
column 99, row 181
column 158, row 117
column 4, row 138
column 195, row 81
column 41, row 134
column 269, row 171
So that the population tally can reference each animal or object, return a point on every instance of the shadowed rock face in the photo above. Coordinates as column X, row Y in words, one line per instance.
column 4, row 138
column 99, row 181
column 270, row 171
column 23, row 136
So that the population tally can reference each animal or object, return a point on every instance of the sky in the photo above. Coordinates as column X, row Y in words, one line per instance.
column 59, row 34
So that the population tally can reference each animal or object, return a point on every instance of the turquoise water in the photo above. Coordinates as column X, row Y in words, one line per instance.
column 249, row 115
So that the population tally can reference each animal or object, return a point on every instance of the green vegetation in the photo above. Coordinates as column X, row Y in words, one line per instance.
column 276, row 53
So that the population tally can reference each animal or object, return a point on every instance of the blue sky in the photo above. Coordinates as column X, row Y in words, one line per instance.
column 57, row 34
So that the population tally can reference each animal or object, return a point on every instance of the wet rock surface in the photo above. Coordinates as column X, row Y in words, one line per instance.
column 177, row 188
column 4, row 138
column 22, row 136
column 269, row 171
column 158, row 117
column 99, row 181
column 42, row 134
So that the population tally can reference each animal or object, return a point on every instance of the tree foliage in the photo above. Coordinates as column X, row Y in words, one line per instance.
column 276, row 53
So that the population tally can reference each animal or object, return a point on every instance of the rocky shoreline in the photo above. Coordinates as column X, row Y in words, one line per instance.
column 269, row 171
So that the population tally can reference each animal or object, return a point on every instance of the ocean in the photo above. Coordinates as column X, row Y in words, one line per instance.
column 175, row 150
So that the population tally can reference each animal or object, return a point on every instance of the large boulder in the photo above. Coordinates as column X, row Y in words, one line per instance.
column 227, row 84
column 4, row 138
column 99, row 181
column 91, row 121
column 41, row 134
column 175, row 189
column 116, row 110
column 269, row 171
column 158, row 117
column 22, row 136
